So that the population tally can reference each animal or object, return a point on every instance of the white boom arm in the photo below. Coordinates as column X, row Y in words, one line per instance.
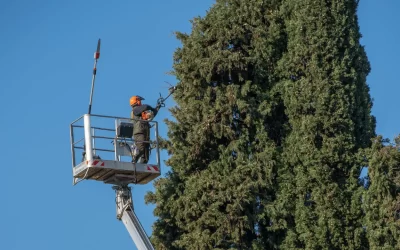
column 127, row 215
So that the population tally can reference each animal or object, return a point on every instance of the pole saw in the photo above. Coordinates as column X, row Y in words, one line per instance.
column 96, row 57
column 161, row 100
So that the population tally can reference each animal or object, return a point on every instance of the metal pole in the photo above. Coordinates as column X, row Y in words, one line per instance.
column 88, row 138
column 71, row 129
column 93, row 141
column 158, row 148
column 96, row 57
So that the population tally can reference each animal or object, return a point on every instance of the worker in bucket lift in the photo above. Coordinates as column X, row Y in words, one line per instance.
column 141, row 115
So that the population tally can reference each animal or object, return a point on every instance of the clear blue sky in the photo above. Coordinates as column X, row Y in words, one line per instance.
column 46, row 59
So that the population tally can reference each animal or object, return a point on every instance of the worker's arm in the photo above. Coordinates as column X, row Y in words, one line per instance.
column 137, row 111
column 155, row 110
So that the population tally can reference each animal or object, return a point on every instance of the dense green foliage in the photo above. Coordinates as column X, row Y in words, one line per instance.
column 382, row 200
column 328, row 107
column 270, row 133
column 223, row 157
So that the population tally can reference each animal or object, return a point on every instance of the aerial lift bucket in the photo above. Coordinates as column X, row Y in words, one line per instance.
column 106, row 147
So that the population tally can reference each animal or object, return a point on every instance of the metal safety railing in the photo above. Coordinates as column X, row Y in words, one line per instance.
column 101, row 140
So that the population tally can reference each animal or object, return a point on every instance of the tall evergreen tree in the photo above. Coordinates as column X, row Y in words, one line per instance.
column 272, row 114
column 382, row 199
column 229, row 124
column 323, row 86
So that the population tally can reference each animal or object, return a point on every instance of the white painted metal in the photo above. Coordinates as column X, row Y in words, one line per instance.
column 126, row 214
column 93, row 141
column 114, row 171
column 125, row 148
column 117, row 157
column 136, row 230
column 71, row 132
column 88, row 137
column 158, row 146
column 117, row 165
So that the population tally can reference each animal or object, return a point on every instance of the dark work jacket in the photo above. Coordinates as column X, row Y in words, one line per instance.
column 141, row 127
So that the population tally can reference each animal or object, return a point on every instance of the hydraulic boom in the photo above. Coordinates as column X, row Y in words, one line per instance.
column 126, row 214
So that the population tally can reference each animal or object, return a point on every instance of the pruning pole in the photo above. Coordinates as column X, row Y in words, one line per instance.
column 96, row 57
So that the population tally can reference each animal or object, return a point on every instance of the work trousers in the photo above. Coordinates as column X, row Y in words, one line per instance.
column 143, row 147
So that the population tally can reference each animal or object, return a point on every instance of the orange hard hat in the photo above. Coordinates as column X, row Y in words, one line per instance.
column 136, row 100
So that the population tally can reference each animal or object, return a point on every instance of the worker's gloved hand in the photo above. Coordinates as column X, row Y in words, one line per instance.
column 160, row 103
